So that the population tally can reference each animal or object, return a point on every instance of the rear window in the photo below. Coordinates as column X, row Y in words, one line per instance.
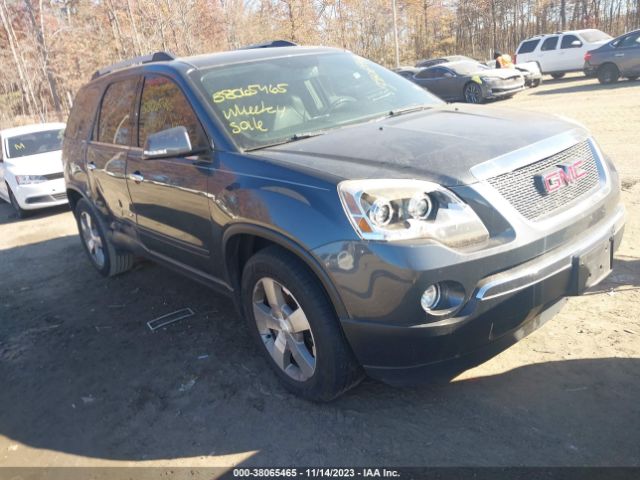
column 34, row 143
column 549, row 44
column 528, row 46
column 591, row 36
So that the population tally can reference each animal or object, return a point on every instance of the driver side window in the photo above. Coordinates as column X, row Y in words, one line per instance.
column 164, row 106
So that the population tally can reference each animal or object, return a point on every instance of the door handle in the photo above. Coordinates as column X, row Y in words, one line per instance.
column 91, row 166
column 136, row 177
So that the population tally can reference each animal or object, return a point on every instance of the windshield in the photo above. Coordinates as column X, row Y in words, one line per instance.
column 34, row 143
column 283, row 99
column 591, row 36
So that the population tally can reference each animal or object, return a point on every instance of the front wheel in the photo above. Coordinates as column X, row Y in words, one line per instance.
column 473, row 93
column 20, row 212
column 295, row 327
column 104, row 256
column 608, row 74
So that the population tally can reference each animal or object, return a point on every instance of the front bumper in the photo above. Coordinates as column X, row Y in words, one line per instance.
column 41, row 195
column 497, row 91
column 398, row 343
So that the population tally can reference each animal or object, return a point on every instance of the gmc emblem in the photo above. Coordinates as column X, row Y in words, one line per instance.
column 560, row 176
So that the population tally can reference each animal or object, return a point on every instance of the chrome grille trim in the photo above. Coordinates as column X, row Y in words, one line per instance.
column 519, row 187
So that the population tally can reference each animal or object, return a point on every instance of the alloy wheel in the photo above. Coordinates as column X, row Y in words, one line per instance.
column 284, row 329
column 92, row 240
column 473, row 94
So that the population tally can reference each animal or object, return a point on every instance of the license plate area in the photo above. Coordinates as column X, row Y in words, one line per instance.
column 593, row 266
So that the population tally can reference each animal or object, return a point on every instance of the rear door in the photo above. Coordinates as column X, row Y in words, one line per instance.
column 549, row 58
column 169, row 195
column 627, row 54
column 107, row 151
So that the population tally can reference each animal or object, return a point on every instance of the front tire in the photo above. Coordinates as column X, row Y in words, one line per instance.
column 295, row 327
column 608, row 73
column 473, row 93
column 102, row 253
column 20, row 212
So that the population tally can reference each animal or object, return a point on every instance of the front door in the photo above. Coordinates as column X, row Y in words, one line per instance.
column 627, row 55
column 169, row 195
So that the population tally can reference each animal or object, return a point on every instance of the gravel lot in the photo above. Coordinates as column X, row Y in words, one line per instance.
column 85, row 383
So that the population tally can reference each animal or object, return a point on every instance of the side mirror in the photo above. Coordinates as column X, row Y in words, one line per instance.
column 171, row 142
column 576, row 43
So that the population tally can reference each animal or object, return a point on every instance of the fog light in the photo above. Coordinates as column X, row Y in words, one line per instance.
column 430, row 297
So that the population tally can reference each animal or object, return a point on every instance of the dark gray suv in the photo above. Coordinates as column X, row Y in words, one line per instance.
column 359, row 223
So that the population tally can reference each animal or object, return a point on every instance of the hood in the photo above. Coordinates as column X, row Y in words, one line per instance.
column 39, row 164
column 440, row 145
column 503, row 73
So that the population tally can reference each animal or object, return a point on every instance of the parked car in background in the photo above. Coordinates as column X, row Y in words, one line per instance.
column 31, row 167
column 469, row 81
column 615, row 59
column 530, row 71
column 562, row 52
column 407, row 72
column 430, row 62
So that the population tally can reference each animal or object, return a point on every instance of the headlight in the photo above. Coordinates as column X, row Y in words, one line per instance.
column 487, row 79
column 30, row 179
column 410, row 209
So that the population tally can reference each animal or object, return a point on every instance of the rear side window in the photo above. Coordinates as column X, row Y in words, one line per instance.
column 632, row 40
column 114, row 123
column 549, row 44
column 164, row 106
column 81, row 117
column 567, row 41
column 528, row 46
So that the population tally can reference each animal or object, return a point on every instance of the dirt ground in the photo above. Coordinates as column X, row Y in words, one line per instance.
column 83, row 382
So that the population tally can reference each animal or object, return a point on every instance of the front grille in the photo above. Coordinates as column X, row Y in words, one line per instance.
column 54, row 176
column 520, row 189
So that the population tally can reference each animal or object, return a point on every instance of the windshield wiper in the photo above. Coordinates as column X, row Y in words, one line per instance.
column 295, row 137
column 409, row 109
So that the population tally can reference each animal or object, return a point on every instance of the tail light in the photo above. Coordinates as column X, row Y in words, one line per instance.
column 587, row 56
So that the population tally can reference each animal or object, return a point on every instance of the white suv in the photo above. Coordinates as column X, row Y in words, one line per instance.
column 561, row 52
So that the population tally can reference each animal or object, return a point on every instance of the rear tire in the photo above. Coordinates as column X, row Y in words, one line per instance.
column 473, row 93
column 103, row 254
column 608, row 73
column 557, row 76
column 20, row 212
column 295, row 327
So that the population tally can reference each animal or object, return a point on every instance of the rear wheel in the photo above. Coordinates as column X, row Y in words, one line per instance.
column 556, row 76
column 293, row 322
column 20, row 212
column 104, row 256
column 473, row 93
column 608, row 73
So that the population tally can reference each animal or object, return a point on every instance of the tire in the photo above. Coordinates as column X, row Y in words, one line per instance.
column 473, row 93
column 608, row 73
column 296, row 328
column 104, row 256
column 536, row 83
column 20, row 212
column 557, row 76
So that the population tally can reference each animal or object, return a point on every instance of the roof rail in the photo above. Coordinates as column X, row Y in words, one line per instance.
column 271, row 44
column 153, row 57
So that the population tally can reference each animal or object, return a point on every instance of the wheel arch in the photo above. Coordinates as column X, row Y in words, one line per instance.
column 241, row 241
